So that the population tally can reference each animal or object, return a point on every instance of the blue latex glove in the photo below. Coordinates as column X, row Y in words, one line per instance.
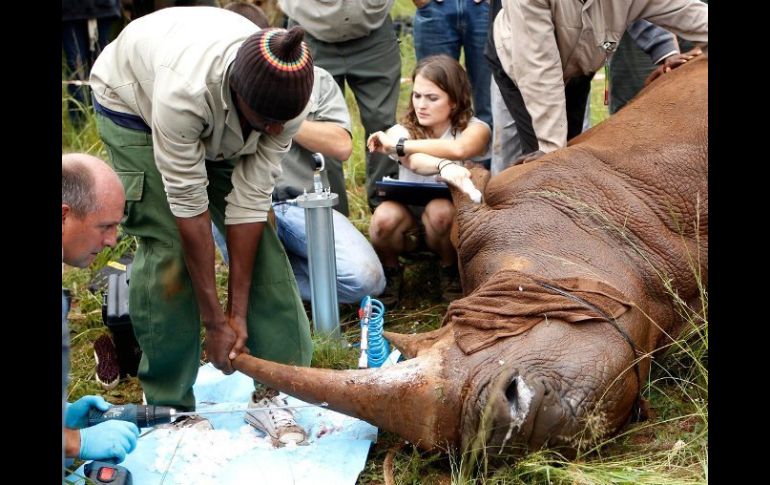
column 110, row 439
column 76, row 416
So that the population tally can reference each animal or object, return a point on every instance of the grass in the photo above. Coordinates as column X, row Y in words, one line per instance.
column 669, row 448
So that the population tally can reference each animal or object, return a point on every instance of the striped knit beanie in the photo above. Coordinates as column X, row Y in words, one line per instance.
column 273, row 73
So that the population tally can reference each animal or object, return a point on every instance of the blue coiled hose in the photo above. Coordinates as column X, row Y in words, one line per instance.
column 374, row 347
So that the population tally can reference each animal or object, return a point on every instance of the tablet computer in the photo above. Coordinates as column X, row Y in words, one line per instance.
column 411, row 193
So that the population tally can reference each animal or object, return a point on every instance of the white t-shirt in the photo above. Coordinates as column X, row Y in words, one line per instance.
column 406, row 175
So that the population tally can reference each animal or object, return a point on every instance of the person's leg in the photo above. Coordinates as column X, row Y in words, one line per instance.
column 511, row 97
column 163, row 309
column 220, row 241
column 290, row 227
column 279, row 329
column 372, row 67
column 327, row 55
column 506, row 146
column 474, row 38
column 104, row 28
column 576, row 92
column 374, row 75
column 359, row 272
column 74, row 37
column 387, row 230
column 277, row 324
column 336, row 177
column 444, row 28
column 436, row 30
column 437, row 219
column 629, row 67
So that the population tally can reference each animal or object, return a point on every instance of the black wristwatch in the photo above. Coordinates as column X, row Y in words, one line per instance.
column 400, row 147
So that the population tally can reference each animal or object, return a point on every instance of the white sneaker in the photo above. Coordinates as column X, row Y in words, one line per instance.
column 279, row 424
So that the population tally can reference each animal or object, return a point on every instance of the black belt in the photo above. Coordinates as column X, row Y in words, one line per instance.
column 125, row 120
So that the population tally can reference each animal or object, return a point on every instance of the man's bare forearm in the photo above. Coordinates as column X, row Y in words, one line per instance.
column 198, row 247
column 242, row 246
column 328, row 138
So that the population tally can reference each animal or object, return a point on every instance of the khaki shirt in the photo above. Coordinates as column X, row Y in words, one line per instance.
column 171, row 68
column 337, row 20
column 543, row 43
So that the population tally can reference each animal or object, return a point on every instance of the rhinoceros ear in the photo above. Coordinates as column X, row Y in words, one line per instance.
column 412, row 345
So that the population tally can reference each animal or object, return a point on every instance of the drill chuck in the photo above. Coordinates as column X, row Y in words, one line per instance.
column 141, row 415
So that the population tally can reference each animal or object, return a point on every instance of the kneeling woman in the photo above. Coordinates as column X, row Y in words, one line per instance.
column 438, row 135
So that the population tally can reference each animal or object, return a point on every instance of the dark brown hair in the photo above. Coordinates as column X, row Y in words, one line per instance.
column 450, row 77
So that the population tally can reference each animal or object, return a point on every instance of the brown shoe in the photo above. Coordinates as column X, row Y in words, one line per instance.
column 451, row 287
column 394, row 278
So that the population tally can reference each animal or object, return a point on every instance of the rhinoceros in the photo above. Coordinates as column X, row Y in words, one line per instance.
column 568, row 266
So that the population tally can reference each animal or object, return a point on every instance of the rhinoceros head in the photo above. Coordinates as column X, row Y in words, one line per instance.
column 568, row 269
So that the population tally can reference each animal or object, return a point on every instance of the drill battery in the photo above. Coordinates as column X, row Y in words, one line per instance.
column 106, row 472
column 115, row 316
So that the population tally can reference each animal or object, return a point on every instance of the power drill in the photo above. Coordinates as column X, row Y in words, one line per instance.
column 139, row 414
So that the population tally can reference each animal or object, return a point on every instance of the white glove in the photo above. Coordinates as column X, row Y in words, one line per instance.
column 460, row 177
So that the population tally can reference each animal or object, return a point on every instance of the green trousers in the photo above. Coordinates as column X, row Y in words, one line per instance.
column 162, row 304
column 371, row 66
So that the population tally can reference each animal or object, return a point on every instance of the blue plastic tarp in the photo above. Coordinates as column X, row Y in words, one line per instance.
column 336, row 453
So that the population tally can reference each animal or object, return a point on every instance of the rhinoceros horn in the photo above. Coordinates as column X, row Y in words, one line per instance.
column 412, row 345
column 405, row 398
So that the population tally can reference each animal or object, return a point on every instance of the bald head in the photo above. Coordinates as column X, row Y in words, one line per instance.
column 92, row 207
column 87, row 182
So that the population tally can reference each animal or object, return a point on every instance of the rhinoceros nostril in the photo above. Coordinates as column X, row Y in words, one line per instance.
column 510, row 392
column 519, row 396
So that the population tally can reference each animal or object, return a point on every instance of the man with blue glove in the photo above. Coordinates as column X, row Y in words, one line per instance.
column 92, row 207
column 112, row 439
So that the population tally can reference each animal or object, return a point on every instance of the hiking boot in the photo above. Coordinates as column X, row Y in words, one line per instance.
column 277, row 423
column 394, row 278
column 449, row 281
column 107, row 367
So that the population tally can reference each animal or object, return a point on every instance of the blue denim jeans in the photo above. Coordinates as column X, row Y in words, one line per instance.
column 445, row 27
column 359, row 271
column 80, row 58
